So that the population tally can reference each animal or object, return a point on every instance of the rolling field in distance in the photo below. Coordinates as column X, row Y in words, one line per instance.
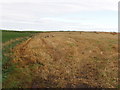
column 12, row 35
column 63, row 60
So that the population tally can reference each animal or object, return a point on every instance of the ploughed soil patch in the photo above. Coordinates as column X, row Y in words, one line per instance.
column 65, row 60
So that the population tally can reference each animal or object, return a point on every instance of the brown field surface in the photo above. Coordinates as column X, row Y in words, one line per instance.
column 66, row 60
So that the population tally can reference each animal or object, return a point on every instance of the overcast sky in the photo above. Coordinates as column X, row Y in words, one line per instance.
column 90, row 15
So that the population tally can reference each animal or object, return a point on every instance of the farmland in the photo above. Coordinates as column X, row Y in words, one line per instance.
column 60, row 60
column 9, row 40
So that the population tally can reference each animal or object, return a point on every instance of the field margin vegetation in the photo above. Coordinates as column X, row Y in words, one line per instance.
column 9, row 39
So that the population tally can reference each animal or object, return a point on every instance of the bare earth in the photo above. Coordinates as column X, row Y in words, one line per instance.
column 67, row 60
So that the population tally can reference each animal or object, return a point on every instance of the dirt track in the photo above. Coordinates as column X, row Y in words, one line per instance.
column 68, row 59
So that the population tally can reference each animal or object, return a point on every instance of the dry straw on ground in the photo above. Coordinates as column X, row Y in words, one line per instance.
column 67, row 60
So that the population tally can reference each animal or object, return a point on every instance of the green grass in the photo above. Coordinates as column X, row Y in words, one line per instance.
column 7, row 66
column 8, row 35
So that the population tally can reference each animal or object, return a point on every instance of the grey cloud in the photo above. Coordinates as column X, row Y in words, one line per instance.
column 45, row 14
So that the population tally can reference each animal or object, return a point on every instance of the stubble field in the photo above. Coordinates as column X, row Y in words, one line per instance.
column 65, row 60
